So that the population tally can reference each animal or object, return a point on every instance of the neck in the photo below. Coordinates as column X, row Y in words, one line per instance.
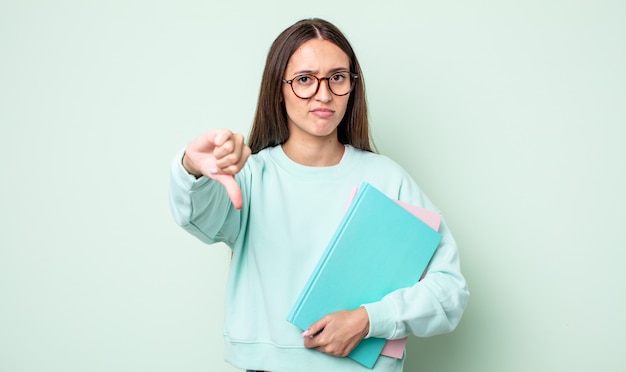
column 318, row 154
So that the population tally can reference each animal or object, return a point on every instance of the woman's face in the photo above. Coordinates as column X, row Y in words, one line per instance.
column 316, row 117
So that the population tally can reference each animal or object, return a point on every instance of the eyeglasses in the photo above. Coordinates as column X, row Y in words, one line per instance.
column 306, row 86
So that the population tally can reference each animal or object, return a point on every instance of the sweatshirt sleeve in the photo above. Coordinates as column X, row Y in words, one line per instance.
column 201, row 206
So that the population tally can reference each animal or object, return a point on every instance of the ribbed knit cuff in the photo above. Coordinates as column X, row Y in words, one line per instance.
column 381, row 317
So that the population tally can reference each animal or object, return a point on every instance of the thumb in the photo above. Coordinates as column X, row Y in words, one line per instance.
column 232, row 188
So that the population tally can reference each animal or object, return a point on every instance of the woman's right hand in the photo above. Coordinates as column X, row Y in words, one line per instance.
column 218, row 154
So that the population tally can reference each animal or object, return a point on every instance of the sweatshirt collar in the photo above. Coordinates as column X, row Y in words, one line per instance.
column 308, row 172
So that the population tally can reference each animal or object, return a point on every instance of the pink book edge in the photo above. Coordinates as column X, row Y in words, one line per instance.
column 395, row 348
column 430, row 218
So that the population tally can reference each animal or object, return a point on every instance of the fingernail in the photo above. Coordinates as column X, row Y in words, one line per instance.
column 306, row 333
column 213, row 170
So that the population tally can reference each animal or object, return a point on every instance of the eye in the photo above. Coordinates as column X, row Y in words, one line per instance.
column 339, row 77
column 303, row 80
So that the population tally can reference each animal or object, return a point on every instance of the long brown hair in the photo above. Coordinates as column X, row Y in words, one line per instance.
column 270, row 122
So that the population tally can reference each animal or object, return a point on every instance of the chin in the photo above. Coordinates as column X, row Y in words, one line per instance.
column 326, row 132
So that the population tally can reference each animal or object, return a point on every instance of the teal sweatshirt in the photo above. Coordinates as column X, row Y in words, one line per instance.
column 289, row 215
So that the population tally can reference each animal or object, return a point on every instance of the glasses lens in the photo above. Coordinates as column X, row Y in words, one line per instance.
column 305, row 86
column 341, row 83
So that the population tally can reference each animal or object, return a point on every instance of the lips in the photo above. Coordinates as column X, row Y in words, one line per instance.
column 322, row 112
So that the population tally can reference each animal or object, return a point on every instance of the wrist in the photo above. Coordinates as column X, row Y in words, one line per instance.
column 365, row 321
column 186, row 164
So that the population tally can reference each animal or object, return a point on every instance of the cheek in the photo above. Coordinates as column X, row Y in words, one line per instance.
column 344, row 103
column 292, row 106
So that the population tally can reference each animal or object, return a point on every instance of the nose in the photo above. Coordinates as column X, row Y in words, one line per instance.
column 323, row 92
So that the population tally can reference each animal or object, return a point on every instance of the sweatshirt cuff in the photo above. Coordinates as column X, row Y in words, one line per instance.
column 381, row 317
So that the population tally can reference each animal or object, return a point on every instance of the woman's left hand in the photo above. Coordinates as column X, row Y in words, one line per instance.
column 338, row 333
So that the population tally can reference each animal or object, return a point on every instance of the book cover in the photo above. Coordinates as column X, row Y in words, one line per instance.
column 377, row 248
column 395, row 348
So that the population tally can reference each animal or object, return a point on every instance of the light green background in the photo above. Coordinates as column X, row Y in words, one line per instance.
column 510, row 114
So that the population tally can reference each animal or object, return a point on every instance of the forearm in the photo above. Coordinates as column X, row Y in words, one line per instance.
column 200, row 205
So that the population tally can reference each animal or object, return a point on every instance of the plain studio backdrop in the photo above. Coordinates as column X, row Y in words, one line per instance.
column 511, row 115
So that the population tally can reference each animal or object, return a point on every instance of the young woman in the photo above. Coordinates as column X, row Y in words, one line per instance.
column 277, row 200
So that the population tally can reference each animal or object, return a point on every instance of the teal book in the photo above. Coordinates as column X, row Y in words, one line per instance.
column 377, row 248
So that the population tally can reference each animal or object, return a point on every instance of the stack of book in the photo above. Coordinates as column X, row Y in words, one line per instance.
column 381, row 245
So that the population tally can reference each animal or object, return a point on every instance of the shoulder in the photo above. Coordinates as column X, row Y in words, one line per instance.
column 260, row 158
column 260, row 163
column 391, row 178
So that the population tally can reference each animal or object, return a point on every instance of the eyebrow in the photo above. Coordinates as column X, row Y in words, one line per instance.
column 312, row 72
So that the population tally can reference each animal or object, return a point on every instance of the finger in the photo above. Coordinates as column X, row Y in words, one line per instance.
column 316, row 327
column 227, row 154
column 235, row 163
column 230, row 151
column 232, row 188
column 206, row 141
column 220, row 136
column 315, row 341
column 312, row 343
column 238, row 145
column 225, row 149
column 210, row 142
